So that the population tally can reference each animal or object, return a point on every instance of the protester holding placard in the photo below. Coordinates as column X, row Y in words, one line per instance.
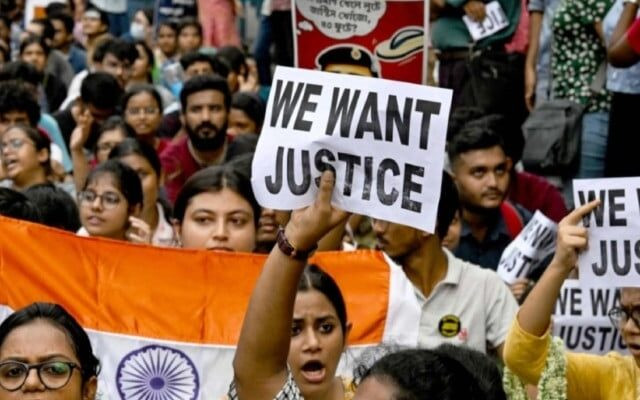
column 587, row 376
column 481, row 170
column 461, row 303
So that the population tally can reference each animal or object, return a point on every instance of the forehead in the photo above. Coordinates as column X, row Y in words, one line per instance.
column 374, row 389
column 313, row 304
column 189, row 30
column 141, row 98
column 136, row 162
column 220, row 202
column 630, row 296
column 13, row 133
column 205, row 97
column 103, row 181
column 37, row 339
column 15, row 115
column 112, row 58
column 482, row 157
column 111, row 134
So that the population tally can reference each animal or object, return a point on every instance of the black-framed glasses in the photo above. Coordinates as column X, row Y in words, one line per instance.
column 52, row 374
column 109, row 200
column 619, row 316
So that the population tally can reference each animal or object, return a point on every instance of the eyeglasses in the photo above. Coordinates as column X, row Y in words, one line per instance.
column 52, row 374
column 109, row 200
column 142, row 110
column 13, row 144
column 619, row 316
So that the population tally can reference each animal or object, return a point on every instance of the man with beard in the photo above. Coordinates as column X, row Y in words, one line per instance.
column 205, row 101
column 481, row 171
column 460, row 303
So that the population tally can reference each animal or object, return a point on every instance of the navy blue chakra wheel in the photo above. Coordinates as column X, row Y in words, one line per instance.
column 157, row 373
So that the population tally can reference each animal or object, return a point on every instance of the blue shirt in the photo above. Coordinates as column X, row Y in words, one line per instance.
column 77, row 58
column 621, row 80
column 50, row 125
column 488, row 252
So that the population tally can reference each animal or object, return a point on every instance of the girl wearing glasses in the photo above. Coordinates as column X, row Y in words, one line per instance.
column 25, row 156
column 142, row 107
column 110, row 203
column 46, row 338
column 142, row 158
column 612, row 376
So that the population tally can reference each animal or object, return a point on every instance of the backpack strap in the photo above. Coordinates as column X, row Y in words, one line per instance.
column 512, row 218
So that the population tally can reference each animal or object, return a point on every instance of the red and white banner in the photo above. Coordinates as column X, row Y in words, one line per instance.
column 379, row 38
column 164, row 322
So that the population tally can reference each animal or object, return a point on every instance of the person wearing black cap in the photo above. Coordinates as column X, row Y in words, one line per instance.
column 348, row 59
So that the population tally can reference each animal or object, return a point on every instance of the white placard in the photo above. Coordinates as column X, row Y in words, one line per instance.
column 495, row 21
column 581, row 320
column 531, row 247
column 612, row 258
column 384, row 140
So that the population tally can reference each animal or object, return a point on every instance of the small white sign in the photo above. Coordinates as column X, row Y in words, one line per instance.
column 581, row 319
column 531, row 247
column 612, row 258
column 495, row 21
column 383, row 139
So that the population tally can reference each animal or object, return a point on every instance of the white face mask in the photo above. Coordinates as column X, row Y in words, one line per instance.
column 137, row 31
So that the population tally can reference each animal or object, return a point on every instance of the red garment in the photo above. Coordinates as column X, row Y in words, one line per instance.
column 178, row 165
column 633, row 36
column 533, row 192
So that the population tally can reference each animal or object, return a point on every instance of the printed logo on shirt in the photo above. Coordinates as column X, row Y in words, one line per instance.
column 449, row 326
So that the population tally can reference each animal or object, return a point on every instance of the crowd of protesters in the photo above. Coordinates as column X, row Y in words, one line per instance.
column 137, row 120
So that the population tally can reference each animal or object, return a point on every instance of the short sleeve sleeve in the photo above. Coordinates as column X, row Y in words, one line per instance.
column 633, row 36
column 501, row 309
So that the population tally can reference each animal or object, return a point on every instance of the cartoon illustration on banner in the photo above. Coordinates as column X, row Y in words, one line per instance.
column 375, row 38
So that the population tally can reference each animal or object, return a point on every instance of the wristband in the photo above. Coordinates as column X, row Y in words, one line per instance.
column 287, row 248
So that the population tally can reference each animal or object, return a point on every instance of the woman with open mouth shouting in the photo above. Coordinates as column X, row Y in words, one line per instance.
column 25, row 156
column 295, row 328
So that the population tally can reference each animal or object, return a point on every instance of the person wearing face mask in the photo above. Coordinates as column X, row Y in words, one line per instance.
column 205, row 102
column 141, row 27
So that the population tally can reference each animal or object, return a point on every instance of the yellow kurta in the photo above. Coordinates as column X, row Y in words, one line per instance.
column 589, row 377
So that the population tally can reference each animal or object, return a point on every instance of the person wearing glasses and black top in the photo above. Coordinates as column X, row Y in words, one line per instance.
column 110, row 204
column 46, row 338
column 608, row 377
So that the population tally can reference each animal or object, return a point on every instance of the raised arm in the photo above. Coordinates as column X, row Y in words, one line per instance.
column 619, row 51
column 530, row 76
column 260, row 363
column 535, row 313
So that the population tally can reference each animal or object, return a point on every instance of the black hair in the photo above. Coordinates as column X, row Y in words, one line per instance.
column 56, row 7
column 14, row 204
column 187, row 22
column 132, row 146
column 47, row 28
column 4, row 19
column 214, row 179
column 34, row 39
column 234, row 57
column 314, row 278
column 121, row 49
column 448, row 205
column 205, row 82
column 20, row 70
column 124, row 178
column 169, row 23
column 59, row 317
column 474, row 137
column 104, row 18
column 148, row 14
column 16, row 96
column 57, row 208
column 65, row 17
column 101, row 90
column 418, row 374
column 150, row 57
column 482, row 368
column 142, row 88
column 114, row 122
column 251, row 104
column 218, row 65
column 6, row 52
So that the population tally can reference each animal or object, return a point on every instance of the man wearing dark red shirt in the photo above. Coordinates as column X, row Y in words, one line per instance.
column 205, row 105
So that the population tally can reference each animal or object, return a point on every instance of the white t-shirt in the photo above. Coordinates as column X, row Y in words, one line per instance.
column 471, row 306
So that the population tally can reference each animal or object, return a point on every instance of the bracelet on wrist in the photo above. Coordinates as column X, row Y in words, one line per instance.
column 289, row 250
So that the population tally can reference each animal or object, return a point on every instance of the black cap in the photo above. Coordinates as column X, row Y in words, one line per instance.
column 347, row 54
